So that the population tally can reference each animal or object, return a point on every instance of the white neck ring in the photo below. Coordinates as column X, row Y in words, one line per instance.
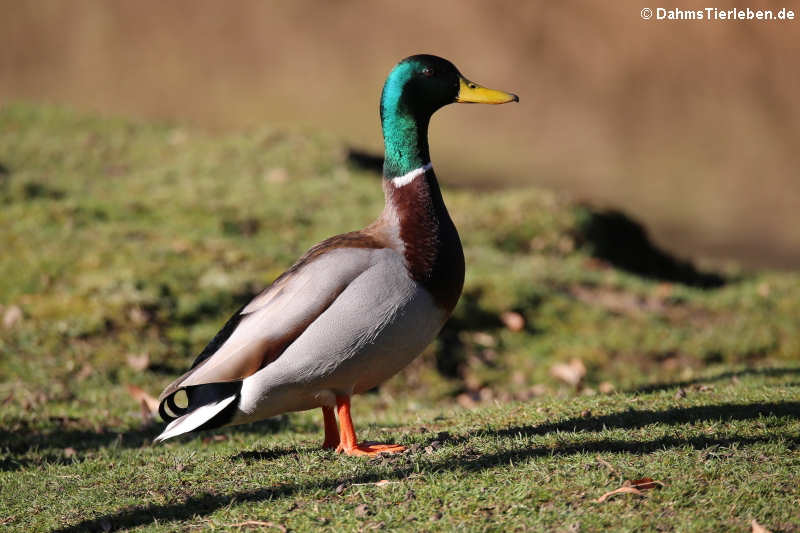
column 405, row 179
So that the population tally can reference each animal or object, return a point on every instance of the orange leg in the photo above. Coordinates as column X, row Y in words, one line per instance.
column 348, row 443
column 331, row 431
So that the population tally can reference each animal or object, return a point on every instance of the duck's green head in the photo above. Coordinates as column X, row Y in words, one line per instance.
column 416, row 87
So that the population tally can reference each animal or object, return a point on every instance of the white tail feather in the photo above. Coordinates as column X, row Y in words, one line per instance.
column 195, row 419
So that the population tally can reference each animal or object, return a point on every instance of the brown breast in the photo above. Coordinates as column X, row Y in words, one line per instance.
column 430, row 241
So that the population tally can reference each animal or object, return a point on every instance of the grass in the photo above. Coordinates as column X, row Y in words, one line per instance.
column 726, row 454
column 127, row 244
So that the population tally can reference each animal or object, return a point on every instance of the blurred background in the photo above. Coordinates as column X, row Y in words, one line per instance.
column 630, row 231
column 691, row 127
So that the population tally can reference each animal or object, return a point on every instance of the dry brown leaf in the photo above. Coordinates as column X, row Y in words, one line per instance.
column 12, row 316
column 758, row 528
column 518, row 378
column 85, row 371
column 469, row 399
column 763, row 290
column 484, row 339
column 570, row 373
column 362, row 510
column 180, row 246
column 539, row 389
column 276, row 175
column 485, row 394
column 215, row 438
column 144, row 399
column 145, row 413
column 139, row 362
column 605, row 387
column 513, row 320
column 177, row 137
column 69, row 452
column 621, row 490
column 646, row 483
column 139, row 316
column 381, row 483
column 637, row 487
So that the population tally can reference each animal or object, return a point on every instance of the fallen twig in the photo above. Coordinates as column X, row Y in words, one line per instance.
column 258, row 523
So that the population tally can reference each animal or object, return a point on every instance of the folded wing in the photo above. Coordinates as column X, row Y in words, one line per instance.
column 261, row 330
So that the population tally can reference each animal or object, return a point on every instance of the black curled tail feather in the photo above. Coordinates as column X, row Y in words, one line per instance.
column 198, row 396
column 175, row 411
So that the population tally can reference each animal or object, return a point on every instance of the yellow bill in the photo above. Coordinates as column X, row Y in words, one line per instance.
column 472, row 93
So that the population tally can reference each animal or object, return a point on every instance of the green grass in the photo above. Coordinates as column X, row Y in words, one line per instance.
column 122, row 238
column 726, row 455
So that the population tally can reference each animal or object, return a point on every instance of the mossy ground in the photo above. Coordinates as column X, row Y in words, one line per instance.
column 126, row 242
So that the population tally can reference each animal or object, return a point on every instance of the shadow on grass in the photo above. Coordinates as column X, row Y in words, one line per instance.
column 17, row 444
column 634, row 418
column 765, row 372
column 620, row 240
column 401, row 467
column 267, row 455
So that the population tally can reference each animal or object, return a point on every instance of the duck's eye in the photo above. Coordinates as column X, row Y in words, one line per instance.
column 427, row 72
column 472, row 86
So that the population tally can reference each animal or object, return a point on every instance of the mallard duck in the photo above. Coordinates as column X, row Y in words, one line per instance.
column 356, row 308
